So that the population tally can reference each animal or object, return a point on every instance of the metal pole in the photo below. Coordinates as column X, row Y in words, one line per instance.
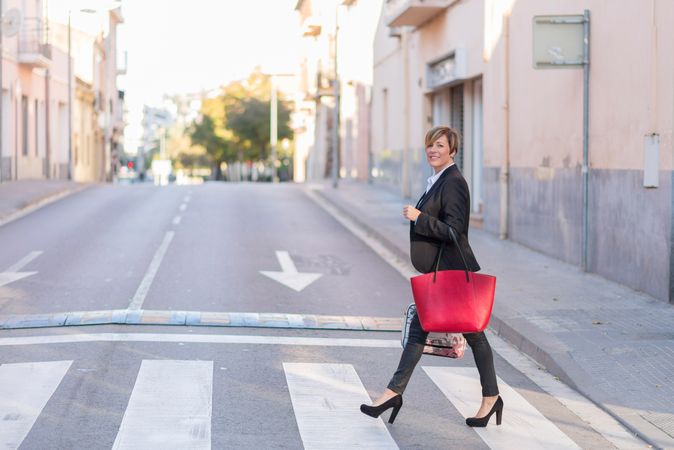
column 70, row 104
column 586, row 127
column 47, row 100
column 405, row 160
column 273, row 130
column 335, row 115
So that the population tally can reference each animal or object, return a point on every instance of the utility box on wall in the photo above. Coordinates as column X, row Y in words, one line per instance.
column 651, row 160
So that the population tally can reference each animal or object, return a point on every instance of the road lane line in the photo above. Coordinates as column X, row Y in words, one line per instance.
column 141, row 293
column 523, row 425
column 326, row 400
column 176, row 220
column 198, row 339
column 170, row 407
column 24, row 261
column 183, row 207
column 25, row 389
column 187, row 199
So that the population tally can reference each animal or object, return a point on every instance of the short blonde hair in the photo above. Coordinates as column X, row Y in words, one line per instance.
column 436, row 133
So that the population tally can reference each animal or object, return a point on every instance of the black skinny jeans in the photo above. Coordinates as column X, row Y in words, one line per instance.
column 484, row 360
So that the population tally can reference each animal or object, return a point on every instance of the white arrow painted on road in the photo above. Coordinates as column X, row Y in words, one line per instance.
column 289, row 276
column 12, row 273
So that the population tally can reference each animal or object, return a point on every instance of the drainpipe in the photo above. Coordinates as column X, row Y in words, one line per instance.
column 406, row 116
column 505, row 164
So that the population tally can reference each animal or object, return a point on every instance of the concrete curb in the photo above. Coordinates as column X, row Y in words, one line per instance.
column 530, row 341
column 201, row 319
column 40, row 202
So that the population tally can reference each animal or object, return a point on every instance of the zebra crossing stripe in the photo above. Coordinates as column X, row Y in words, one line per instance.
column 523, row 425
column 25, row 389
column 170, row 407
column 326, row 400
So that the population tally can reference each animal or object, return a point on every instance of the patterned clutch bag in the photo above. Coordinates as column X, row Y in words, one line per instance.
column 449, row 345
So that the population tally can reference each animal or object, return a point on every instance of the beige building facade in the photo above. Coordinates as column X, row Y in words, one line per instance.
column 337, row 44
column 469, row 64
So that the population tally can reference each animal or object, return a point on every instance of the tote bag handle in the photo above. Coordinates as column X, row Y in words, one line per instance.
column 452, row 235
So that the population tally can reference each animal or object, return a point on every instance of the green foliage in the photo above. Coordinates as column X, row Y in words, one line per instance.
column 234, row 126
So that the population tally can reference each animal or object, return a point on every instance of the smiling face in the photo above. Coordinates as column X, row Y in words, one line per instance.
column 438, row 154
column 442, row 144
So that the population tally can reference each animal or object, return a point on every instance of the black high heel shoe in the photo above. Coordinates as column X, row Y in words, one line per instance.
column 375, row 411
column 482, row 421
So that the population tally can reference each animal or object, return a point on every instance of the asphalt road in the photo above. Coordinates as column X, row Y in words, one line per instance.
column 201, row 248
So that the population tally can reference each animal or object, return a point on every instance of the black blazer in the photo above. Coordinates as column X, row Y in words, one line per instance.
column 446, row 204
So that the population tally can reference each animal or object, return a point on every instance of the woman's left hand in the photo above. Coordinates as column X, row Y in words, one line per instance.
column 410, row 212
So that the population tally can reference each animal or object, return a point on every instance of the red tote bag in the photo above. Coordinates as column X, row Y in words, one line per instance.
column 453, row 301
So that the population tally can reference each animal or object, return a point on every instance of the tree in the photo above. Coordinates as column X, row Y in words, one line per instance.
column 235, row 125
column 203, row 132
column 249, row 121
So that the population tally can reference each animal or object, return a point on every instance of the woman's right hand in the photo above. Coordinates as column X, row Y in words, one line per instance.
column 410, row 212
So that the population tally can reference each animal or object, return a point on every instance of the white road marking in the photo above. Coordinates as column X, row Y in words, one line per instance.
column 289, row 276
column 187, row 198
column 141, row 293
column 588, row 412
column 176, row 220
column 170, row 407
column 523, row 425
column 25, row 389
column 198, row 339
column 326, row 400
column 183, row 207
column 24, row 261
column 13, row 273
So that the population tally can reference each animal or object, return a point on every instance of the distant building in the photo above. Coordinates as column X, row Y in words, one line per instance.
column 315, row 102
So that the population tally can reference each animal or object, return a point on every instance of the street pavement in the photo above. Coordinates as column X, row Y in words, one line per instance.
column 613, row 344
column 239, row 248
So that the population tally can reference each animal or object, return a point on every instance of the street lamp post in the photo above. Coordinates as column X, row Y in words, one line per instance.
column 273, row 121
column 335, row 115
column 70, row 103
column 273, row 129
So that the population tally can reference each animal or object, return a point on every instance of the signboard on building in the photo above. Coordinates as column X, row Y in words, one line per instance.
column 447, row 69
column 558, row 41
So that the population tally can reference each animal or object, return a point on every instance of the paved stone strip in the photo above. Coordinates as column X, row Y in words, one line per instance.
column 204, row 319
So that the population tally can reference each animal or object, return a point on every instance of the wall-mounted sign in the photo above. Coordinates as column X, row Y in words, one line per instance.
column 558, row 41
column 447, row 69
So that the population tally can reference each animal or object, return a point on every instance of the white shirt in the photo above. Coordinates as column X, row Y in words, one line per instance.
column 432, row 179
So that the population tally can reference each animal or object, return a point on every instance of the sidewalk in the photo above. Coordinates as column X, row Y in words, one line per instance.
column 612, row 344
column 18, row 198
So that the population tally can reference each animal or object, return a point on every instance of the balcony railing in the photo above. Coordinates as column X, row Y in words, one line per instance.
column 33, row 50
column 413, row 12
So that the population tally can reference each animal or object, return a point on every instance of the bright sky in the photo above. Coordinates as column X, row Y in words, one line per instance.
column 178, row 46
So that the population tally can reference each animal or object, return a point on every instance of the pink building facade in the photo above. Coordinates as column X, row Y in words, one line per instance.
column 469, row 64
column 40, row 136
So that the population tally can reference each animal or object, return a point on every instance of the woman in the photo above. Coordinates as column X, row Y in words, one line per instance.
column 445, row 204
